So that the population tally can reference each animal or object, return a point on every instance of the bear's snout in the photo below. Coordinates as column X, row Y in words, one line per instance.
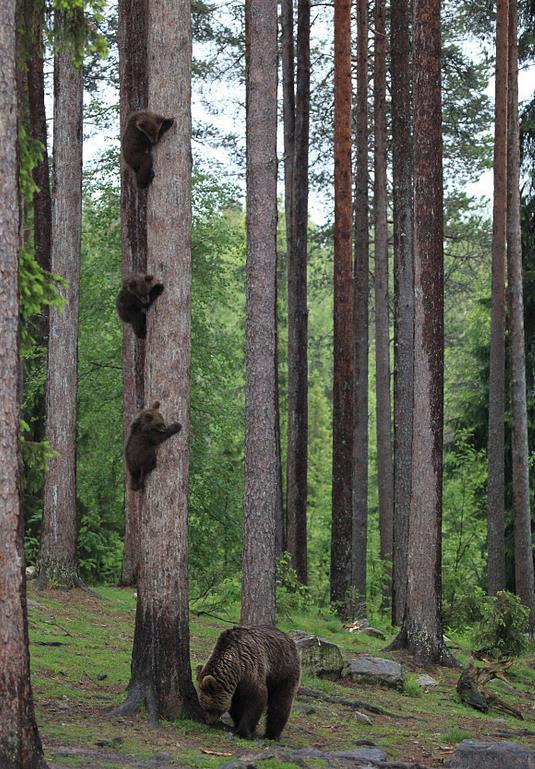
column 211, row 718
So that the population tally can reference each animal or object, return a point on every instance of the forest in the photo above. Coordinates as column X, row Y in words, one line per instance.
column 267, row 375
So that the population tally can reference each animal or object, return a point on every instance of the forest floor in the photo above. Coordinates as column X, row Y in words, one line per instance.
column 80, row 655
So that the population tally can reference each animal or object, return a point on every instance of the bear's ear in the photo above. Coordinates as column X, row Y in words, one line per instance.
column 209, row 684
column 149, row 278
column 198, row 671
column 155, row 406
column 166, row 125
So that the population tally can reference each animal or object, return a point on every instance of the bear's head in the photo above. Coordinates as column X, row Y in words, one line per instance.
column 140, row 285
column 151, row 420
column 213, row 696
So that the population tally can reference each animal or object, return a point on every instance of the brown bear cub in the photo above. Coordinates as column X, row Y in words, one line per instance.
column 250, row 669
column 147, row 431
column 134, row 299
column 143, row 130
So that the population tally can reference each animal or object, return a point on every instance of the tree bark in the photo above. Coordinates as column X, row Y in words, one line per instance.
column 59, row 532
column 42, row 201
column 343, row 316
column 524, row 578
column 360, row 317
column 161, row 673
column 20, row 746
column 288, row 116
column 385, row 482
column 132, row 40
column 260, row 493
column 496, row 483
column 403, row 298
column 297, row 310
column 421, row 632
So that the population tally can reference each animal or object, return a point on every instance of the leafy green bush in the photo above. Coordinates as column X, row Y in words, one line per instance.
column 503, row 629
column 292, row 595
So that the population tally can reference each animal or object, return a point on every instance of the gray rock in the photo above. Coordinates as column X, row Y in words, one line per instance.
column 305, row 710
column 159, row 757
column 373, row 632
column 476, row 754
column 375, row 670
column 302, row 754
column 102, row 676
column 362, row 718
column 320, row 657
column 424, row 680
column 359, row 754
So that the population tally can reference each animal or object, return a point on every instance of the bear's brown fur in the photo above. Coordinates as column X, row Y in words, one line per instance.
column 137, row 294
column 143, row 130
column 147, row 432
column 250, row 669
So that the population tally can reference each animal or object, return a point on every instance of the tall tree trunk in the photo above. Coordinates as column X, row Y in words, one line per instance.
column 59, row 532
column 524, row 579
column 288, row 118
column 161, row 673
column 421, row 632
column 360, row 317
column 20, row 746
column 403, row 298
column 260, row 493
column 385, row 482
column 343, row 315
column 31, row 31
column 495, row 484
column 134, row 96
column 297, row 310
column 42, row 201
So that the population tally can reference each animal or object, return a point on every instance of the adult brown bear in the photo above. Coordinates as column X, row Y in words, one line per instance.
column 250, row 669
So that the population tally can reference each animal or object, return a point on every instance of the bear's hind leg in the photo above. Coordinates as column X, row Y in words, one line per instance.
column 144, row 173
column 139, row 324
column 279, row 705
column 252, row 704
column 136, row 482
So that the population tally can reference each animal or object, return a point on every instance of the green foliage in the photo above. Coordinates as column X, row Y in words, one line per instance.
column 79, row 32
column 39, row 291
column 292, row 595
column 503, row 630
column 464, row 529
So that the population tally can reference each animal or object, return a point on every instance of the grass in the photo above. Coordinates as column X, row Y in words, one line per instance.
column 411, row 688
column 76, row 684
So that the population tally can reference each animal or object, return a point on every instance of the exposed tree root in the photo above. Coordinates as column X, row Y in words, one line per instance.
column 81, row 584
column 41, row 583
column 304, row 691
column 472, row 687
column 137, row 696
